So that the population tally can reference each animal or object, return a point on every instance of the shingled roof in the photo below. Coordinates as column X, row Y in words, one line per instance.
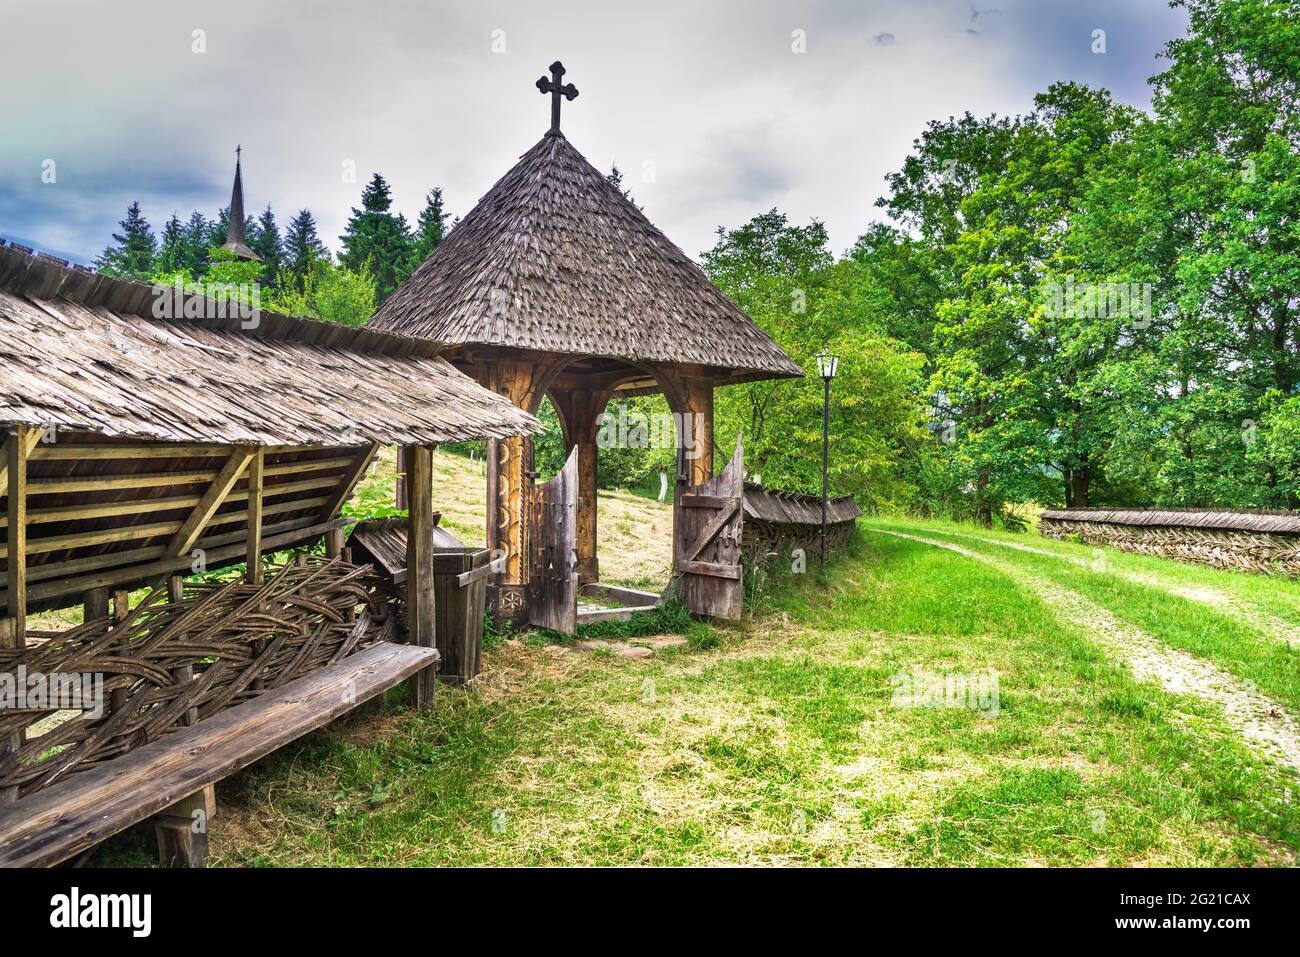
column 556, row 259
column 84, row 351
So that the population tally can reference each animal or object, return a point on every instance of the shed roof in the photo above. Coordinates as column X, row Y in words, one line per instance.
column 556, row 259
column 84, row 351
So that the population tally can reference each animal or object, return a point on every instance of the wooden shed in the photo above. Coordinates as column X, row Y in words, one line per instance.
column 149, row 434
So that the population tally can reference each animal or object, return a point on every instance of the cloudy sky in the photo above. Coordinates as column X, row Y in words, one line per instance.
column 708, row 107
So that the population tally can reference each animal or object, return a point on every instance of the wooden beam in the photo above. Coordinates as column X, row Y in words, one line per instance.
column 256, row 465
column 106, row 483
column 143, row 573
column 419, row 565
column 16, row 450
column 216, row 493
column 348, row 483
column 32, row 441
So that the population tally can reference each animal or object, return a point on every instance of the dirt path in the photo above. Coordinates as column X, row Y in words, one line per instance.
column 1261, row 721
column 1268, row 625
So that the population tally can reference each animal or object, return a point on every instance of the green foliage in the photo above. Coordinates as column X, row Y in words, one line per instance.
column 429, row 229
column 332, row 293
column 131, row 256
column 376, row 240
column 302, row 247
column 785, row 277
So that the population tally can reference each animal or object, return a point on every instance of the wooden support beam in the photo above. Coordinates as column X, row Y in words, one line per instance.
column 256, row 471
column 33, row 439
column 158, row 569
column 16, row 451
column 419, row 565
column 13, row 631
column 216, row 493
column 348, row 483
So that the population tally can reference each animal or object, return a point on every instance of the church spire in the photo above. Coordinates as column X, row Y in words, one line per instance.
column 235, row 228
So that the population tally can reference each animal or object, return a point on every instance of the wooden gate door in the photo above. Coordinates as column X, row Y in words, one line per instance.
column 707, row 531
column 552, row 549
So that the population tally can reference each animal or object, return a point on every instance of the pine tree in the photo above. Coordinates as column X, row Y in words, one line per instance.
column 430, row 227
column 196, row 242
column 376, row 236
column 171, row 247
column 267, row 244
column 135, row 247
column 302, row 247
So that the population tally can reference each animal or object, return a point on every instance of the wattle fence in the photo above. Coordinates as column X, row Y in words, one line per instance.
column 1262, row 542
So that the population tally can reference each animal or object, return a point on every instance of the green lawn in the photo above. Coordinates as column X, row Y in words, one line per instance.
column 782, row 740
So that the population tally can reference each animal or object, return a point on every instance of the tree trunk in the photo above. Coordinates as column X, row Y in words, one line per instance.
column 1080, row 479
column 983, row 510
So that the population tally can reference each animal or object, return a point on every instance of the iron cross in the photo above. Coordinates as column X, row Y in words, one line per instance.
column 553, row 86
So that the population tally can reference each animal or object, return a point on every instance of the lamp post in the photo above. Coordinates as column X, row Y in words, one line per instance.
column 827, row 365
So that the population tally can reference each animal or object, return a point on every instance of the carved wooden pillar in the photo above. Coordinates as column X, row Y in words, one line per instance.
column 523, row 379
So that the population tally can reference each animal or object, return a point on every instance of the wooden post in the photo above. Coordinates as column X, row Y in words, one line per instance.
column 13, row 633
column 256, row 470
column 182, row 830
column 16, row 449
column 420, row 602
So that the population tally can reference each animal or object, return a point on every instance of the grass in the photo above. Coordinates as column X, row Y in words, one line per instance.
column 783, row 740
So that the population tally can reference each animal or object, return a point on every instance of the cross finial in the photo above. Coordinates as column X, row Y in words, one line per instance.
column 553, row 86
column 238, row 150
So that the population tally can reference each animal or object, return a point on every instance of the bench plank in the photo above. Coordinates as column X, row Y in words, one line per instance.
column 76, row 814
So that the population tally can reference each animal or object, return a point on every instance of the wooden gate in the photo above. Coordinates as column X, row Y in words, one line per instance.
column 552, row 550
column 706, row 543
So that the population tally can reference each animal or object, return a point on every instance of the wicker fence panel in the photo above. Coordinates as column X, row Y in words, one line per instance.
column 1261, row 552
column 168, row 664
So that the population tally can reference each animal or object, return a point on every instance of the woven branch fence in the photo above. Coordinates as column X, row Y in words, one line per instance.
column 1266, row 543
column 169, row 664
column 777, row 522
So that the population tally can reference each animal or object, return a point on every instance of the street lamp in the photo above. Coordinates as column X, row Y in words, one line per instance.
column 827, row 365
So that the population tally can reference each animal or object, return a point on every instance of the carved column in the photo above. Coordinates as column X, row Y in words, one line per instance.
column 523, row 380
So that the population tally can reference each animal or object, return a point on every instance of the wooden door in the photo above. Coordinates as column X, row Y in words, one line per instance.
column 707, row 531
column 552, row 548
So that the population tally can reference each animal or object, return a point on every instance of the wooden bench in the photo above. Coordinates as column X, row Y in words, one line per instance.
column 69, row 817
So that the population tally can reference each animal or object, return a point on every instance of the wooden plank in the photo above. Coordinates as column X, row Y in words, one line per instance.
column 65, row 451
column 16, row 450
column 420, row 600
column 216, row 493
column 620, row 595
column 33, row 440
column 695, row 500
column 74, row 815
column 706, row 535
column 712, row 569
column 256, row 467
column 587, row 616
column 143, row 573
column 39, row 516
column 350, row 479
column 104, row 483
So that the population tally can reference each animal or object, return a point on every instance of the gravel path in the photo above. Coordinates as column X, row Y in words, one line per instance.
column 1261, row 721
